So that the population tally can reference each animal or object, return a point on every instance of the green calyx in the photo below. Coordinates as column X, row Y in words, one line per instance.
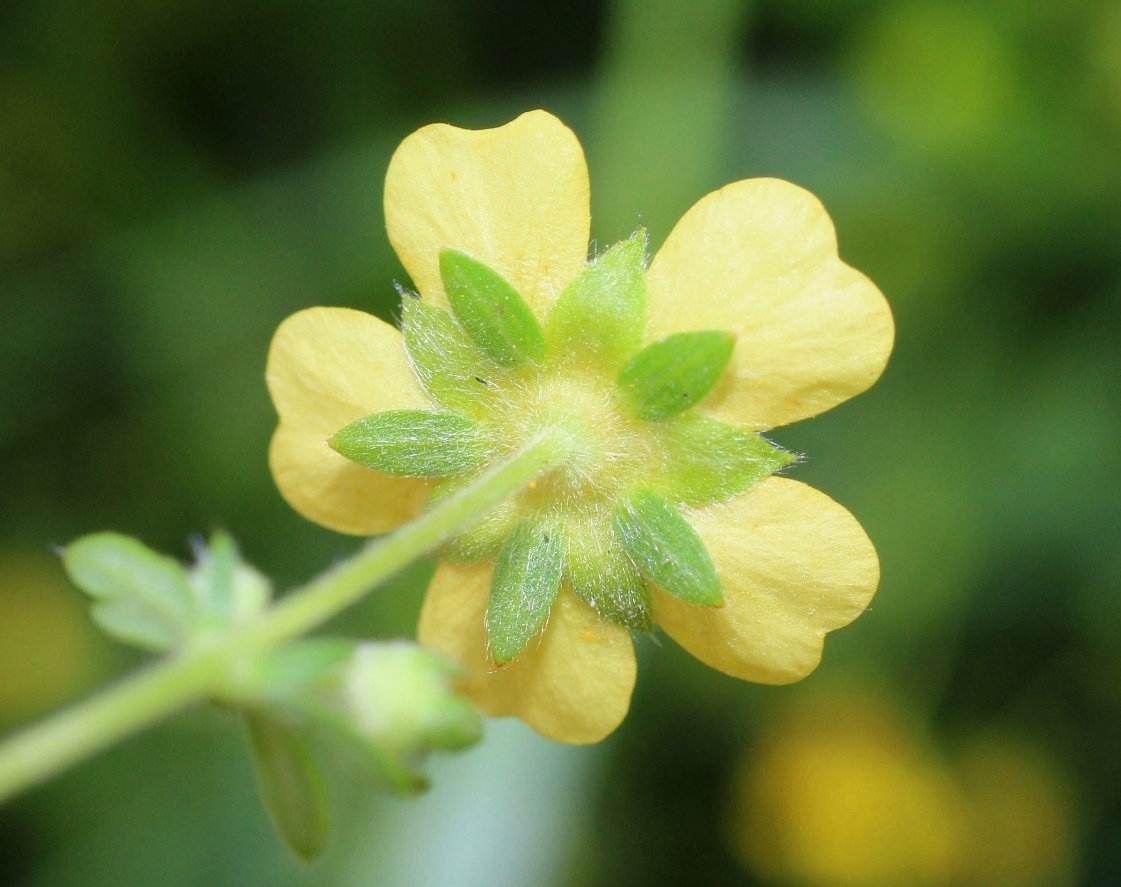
column 609, row 524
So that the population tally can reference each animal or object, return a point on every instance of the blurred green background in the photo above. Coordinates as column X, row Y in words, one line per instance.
column 177, row 176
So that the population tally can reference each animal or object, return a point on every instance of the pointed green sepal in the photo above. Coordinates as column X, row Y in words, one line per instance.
column 492, row 312
column 708, row 460
column 451, row 369
column 413, row 443
column 667, row 550
column 671, row 375
column 526, row 580
column 602, row 312
column 598, row 570
column 227, row 589
column 292, row 785
column 140, row 597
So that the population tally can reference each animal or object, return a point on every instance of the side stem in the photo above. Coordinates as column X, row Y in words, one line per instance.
column 42, row 750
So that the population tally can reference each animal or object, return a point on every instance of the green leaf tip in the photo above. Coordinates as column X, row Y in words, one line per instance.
column 140, row 597
column 671, row 375
column 413, row 443
column 668, row 550
column 292, row 785
column 602, row 312
column 526, row 580
column 491, row 311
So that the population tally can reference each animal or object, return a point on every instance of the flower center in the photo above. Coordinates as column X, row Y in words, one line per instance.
column 608, row 449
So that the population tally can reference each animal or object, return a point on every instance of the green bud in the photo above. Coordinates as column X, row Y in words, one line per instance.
column 598, row 569
column 291, row 783
column 414, row 443
column 708, row 460
column 449, row 366
column 492, row 312
column 670, row 376
column 140, row 597
column 667, row 550
column 602, row 312
column 526, row 580
column 399, row 698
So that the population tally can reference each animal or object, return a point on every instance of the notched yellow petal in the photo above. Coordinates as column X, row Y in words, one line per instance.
column 573, row 682
column 514, row 198
column 794, row 565
column 326, row 368
column 758, row 258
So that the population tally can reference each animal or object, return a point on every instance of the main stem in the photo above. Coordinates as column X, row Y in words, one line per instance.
column 62, row 740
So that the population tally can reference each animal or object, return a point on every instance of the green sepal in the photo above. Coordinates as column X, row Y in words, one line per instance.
column 140, row 597
column 490, row 309
column 525, row 584
column 226, row 588
column 671, row 375
column 598, row 569
column 602, row 312
column 667, row 550
column 414, row 443
column 449, row 366
column 708, row 460
column 292, row 785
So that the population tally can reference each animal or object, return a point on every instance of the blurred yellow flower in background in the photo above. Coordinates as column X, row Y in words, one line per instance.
column 840, row 794
column 49, row 650
column 844, row 791
column 1023, row 828
column 756, row 260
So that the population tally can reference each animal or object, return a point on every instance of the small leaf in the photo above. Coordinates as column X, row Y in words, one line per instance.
column 449, row 366
column 132, row 621
column 526, row 580
column 708, row 460
column 141, row 597
column 669, row 376
column 491, row 311
column 598, row 569
column 667, row 550
column 292, row 786
column 602, row 312
column 413, row 443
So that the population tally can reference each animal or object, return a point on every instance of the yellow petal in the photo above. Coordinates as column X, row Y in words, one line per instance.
column 794, row 565
column 515, row 198
column 326, row 368
column 759, row 258
column 572, row 684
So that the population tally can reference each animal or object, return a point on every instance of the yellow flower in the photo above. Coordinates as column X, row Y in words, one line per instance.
column 841, row 793
column 757, row 260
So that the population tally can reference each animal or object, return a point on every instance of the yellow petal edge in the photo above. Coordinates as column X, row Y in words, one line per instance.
column 326, row 368
column 759, row 258
column 572, row 684
column 516, row 198
column 794, row 565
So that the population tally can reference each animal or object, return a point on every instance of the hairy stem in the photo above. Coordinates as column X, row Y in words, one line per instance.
column 183, row 679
